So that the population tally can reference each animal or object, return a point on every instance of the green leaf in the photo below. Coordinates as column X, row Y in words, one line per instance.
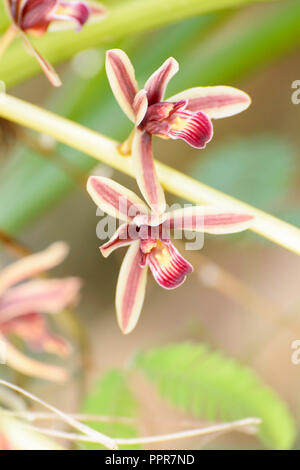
column 111, row 397
column 124, row 19
column 213, row 387
column 258, row 169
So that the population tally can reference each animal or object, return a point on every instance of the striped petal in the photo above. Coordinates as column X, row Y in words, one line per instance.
column 216, row 102
column 28, row 366
column 34, row 16
column 78, row 12
column 114, row 199
column 45, row 66
column 42, row 296
column 33, row 265
column 147, row 180
column 140, row 106
column 168, row 267
column 157, row 83
column 33, row 329
column 209, row 220
column 131, row 288
column 125, row 235
column 121, row 76
column 195, row 128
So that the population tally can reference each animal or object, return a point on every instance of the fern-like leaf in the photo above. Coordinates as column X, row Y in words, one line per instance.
column 214, row 387
column 111, row 397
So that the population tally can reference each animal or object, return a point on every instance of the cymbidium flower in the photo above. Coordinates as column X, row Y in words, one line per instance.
column 33, row 17
column 22, row 307
column 186, row 115
column 148, row 235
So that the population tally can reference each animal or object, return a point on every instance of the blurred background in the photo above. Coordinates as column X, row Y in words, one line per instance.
column 243, row 297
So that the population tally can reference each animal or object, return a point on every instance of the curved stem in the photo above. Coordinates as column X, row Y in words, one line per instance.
column 247, row 425
column 86, row 430
column 106, row 150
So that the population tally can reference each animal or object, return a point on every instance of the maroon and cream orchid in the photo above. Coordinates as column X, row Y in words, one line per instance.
column 186, row 115
column 22, row 305
column 33, row 18
column 148, row 237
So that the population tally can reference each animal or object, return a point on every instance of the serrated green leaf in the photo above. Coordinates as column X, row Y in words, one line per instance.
column 111, row 397
column 211, row 386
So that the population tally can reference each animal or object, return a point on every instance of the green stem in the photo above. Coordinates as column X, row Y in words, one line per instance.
column 106, row 150
column 130, row 17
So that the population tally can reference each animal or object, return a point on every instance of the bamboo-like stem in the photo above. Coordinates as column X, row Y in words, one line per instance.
column 106, row 150
column 7, row 39
column 248, row 425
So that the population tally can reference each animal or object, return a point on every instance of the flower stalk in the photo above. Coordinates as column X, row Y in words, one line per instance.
column 247, row 425
column 106, row 150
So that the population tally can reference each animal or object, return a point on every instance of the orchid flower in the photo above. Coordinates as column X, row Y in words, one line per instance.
column 23, row 303
column 186, row 115
column 148, row 237
column 33, row 17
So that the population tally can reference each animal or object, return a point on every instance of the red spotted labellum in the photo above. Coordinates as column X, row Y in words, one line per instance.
column 148, row 237
column 22, row 305
column 33, row 18
column 186, row 115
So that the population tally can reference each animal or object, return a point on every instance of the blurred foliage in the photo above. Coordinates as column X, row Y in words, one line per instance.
column 204, row 59
column 128, row 18
column 259, row 170
column 111, row 397
column 213, row 387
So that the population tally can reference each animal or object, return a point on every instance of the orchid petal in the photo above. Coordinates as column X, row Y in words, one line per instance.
column 97, row 8
column 157, row 83
column 209, row 220
column 147, row 180
column 114, row 199
column 168, row 267
column 140, row 106
column 121, row 76
column 28, row 366
column 42, row 296
column 45, row 66
column 34, row 16
column 33, row 265
column 131, row 288
column 122, row 237
column 33, row 329
column 216, row 102
column 77, row 12
column 195, row 128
